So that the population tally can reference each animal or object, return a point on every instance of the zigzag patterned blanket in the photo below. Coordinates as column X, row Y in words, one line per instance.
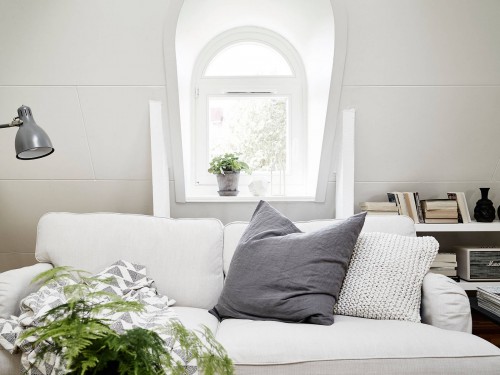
column 128, row 281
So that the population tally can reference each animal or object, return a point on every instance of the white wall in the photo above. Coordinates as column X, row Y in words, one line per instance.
column 424, row 76
column 88, row 70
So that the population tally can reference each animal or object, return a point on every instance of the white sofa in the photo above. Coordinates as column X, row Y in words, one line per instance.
column 188, row 257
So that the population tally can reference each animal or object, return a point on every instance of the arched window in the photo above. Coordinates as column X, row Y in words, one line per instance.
column 248, row 58
column 250, row 98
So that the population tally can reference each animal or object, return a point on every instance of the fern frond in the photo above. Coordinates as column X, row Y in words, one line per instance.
column 76, row 332
column 57, row 273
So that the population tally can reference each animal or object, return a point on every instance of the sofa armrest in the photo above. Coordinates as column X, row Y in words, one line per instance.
column 445, row 304
column 15, row 285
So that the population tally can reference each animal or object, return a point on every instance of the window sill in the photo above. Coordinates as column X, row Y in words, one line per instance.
column 245, row 198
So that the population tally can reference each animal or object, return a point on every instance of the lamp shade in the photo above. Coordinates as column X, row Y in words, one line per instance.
column 31, row 140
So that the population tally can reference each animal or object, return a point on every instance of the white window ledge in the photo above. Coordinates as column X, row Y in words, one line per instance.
column 246, row 198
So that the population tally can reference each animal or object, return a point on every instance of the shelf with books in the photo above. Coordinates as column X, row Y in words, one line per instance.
column 449, row 221
column 450, row 210
column 460, row 227
column 464, row 235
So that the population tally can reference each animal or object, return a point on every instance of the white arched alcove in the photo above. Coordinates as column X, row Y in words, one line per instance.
column 325, row 121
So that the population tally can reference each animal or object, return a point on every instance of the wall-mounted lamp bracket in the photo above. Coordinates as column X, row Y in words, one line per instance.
column 15, row 122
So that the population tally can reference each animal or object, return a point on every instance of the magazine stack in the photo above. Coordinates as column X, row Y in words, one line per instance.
column 488, row 297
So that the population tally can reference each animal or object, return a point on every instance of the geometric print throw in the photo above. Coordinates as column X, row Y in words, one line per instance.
column 385, row 276
column 125, row 279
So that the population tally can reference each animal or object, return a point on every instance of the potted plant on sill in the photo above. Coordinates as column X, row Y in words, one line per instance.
column 227, row 168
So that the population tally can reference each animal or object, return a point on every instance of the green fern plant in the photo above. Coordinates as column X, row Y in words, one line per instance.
column 88, row 346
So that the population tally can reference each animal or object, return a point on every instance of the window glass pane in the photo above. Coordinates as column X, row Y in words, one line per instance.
column 255, row 127
column 248, row 59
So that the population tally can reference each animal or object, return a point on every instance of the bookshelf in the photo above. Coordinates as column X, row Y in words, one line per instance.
column 469, row 227
column 474, row 227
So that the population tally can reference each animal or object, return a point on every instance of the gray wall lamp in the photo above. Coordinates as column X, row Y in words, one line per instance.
column 31, row 141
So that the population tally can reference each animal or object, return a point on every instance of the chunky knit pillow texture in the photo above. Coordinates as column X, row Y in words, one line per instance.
column 384, row 278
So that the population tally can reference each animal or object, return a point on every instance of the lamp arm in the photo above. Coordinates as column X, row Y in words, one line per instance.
column 15, row 122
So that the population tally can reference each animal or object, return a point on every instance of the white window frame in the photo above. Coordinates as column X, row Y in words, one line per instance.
column 293, row 87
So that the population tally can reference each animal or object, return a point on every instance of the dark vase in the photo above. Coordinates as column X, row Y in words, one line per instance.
column 484, row 212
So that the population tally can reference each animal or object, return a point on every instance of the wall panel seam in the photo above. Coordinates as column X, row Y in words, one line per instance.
column 76, row 179
column 409, row 86
column 425, row 182
column 98, row 86
column 85, row 132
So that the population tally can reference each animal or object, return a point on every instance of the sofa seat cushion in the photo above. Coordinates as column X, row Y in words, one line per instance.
column 275, row 343
column 195, row 318
column 191, row 317
column 384, row 366
column 10, row 364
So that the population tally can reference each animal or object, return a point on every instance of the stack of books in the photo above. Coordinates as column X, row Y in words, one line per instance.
column 408, row 203
column 440, row 211
column 447, row 211
column 445, row 264
column 379, row 208
column 488, row 297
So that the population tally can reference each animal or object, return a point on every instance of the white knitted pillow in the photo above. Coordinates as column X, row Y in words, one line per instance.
column 385, row 276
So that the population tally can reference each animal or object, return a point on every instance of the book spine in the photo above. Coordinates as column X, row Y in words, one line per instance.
column 419, row 207
column 392, row 197
column 440, row 221
column 440, row 264
column 412, row 208
column 442, row 214
column 404, row 207
column 464, row 208
column 453, row 196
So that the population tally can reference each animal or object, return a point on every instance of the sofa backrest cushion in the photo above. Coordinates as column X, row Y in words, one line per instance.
column 402, row 225
column 183, row 256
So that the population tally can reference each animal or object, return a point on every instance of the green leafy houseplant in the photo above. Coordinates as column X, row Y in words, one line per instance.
column 88, row 346
column 227, row 168
column 227, row 163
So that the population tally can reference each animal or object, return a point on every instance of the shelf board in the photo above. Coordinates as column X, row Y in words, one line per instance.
column 469, row 227
column 472, row 285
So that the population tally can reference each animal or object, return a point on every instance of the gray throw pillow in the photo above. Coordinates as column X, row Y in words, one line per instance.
column 279, row 273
